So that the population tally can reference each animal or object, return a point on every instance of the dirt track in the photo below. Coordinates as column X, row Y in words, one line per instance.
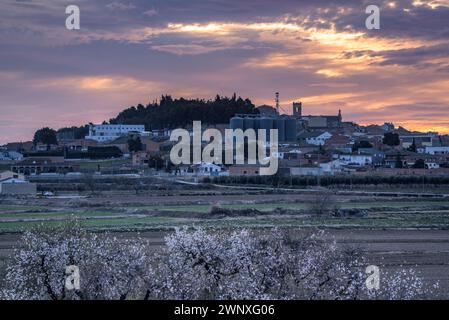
column 184, row 198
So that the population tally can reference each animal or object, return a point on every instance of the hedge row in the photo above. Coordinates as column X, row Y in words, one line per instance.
column 305, row 181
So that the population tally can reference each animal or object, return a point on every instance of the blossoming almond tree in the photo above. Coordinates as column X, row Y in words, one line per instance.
column 109, row 269
column 242, row 265
column 196, row 264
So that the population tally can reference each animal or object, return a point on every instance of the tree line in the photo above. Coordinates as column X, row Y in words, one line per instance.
column 167, row 113
column 327, row 181
column 174, row 113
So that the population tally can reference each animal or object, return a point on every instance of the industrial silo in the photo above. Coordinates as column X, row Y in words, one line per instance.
column 237, row 123
column 290, row 129
column 256, row 123
column 266, row 124
column 248, row 123
column 279, row 124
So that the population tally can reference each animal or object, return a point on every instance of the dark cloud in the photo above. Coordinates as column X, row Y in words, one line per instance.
column 128, row 51
column 422, row 56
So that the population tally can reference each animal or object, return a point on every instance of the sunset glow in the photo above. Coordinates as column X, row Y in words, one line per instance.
column 319, row 53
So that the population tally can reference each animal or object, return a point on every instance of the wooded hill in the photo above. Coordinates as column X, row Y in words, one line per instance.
column 174, row 113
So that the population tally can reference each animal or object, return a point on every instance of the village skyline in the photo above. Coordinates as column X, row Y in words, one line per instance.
column 283, row 110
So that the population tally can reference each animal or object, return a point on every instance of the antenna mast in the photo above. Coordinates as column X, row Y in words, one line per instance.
column 277, row 102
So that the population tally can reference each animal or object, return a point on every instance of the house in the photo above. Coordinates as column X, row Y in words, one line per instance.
column 350, row 128
column 244, row 170
column 161, row 133
column 121, row 143
column 436, row 150
column 20, row 146
column 324, row 121
column 316, row 138
column 405, row 158
column 338, row 141
column 45, row 147
column 16, row 186
column 306, row 171
column 38, row 165
column 377, row 155
column 287, row 153
column 208, row 169
column 354, row 159
column 444, row 140
column 314, row 158
column 183, row 170
column 333, row 166
column 10, row 156
column 79, row 144
column 11, row 175
column 396, row 158
column 420, row 139
column 307, row 148
column 151, row 144
column 141, row 158
column 440, row 172
column 287, row 163
column 432, row 165
column 375, row 131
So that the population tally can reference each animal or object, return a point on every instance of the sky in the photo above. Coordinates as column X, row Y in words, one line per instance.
column 133, row 51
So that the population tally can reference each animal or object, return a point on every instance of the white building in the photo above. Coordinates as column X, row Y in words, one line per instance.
column 333, row 166
column 283, row 153
column 10, row 155
column 432, row 165
column 423, row 139
column 5, row 175
column 436, row 150
column 109, row 132
column 15, row 186
column 316, row 138
column 208, row 169
column 162, row 133
column 306, row 171
column 355, row 159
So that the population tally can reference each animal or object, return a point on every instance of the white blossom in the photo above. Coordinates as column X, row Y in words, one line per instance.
column 197, row 264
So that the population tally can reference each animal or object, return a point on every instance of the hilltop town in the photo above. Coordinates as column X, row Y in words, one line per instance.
column 309, row 145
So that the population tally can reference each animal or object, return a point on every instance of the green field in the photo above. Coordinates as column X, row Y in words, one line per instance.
column 266, row 207
column 391, row 215
column 160, row 223
column 93, row 165
column 50, row 215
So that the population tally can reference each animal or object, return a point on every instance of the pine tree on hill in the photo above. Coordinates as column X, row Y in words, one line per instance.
column 174, row 113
